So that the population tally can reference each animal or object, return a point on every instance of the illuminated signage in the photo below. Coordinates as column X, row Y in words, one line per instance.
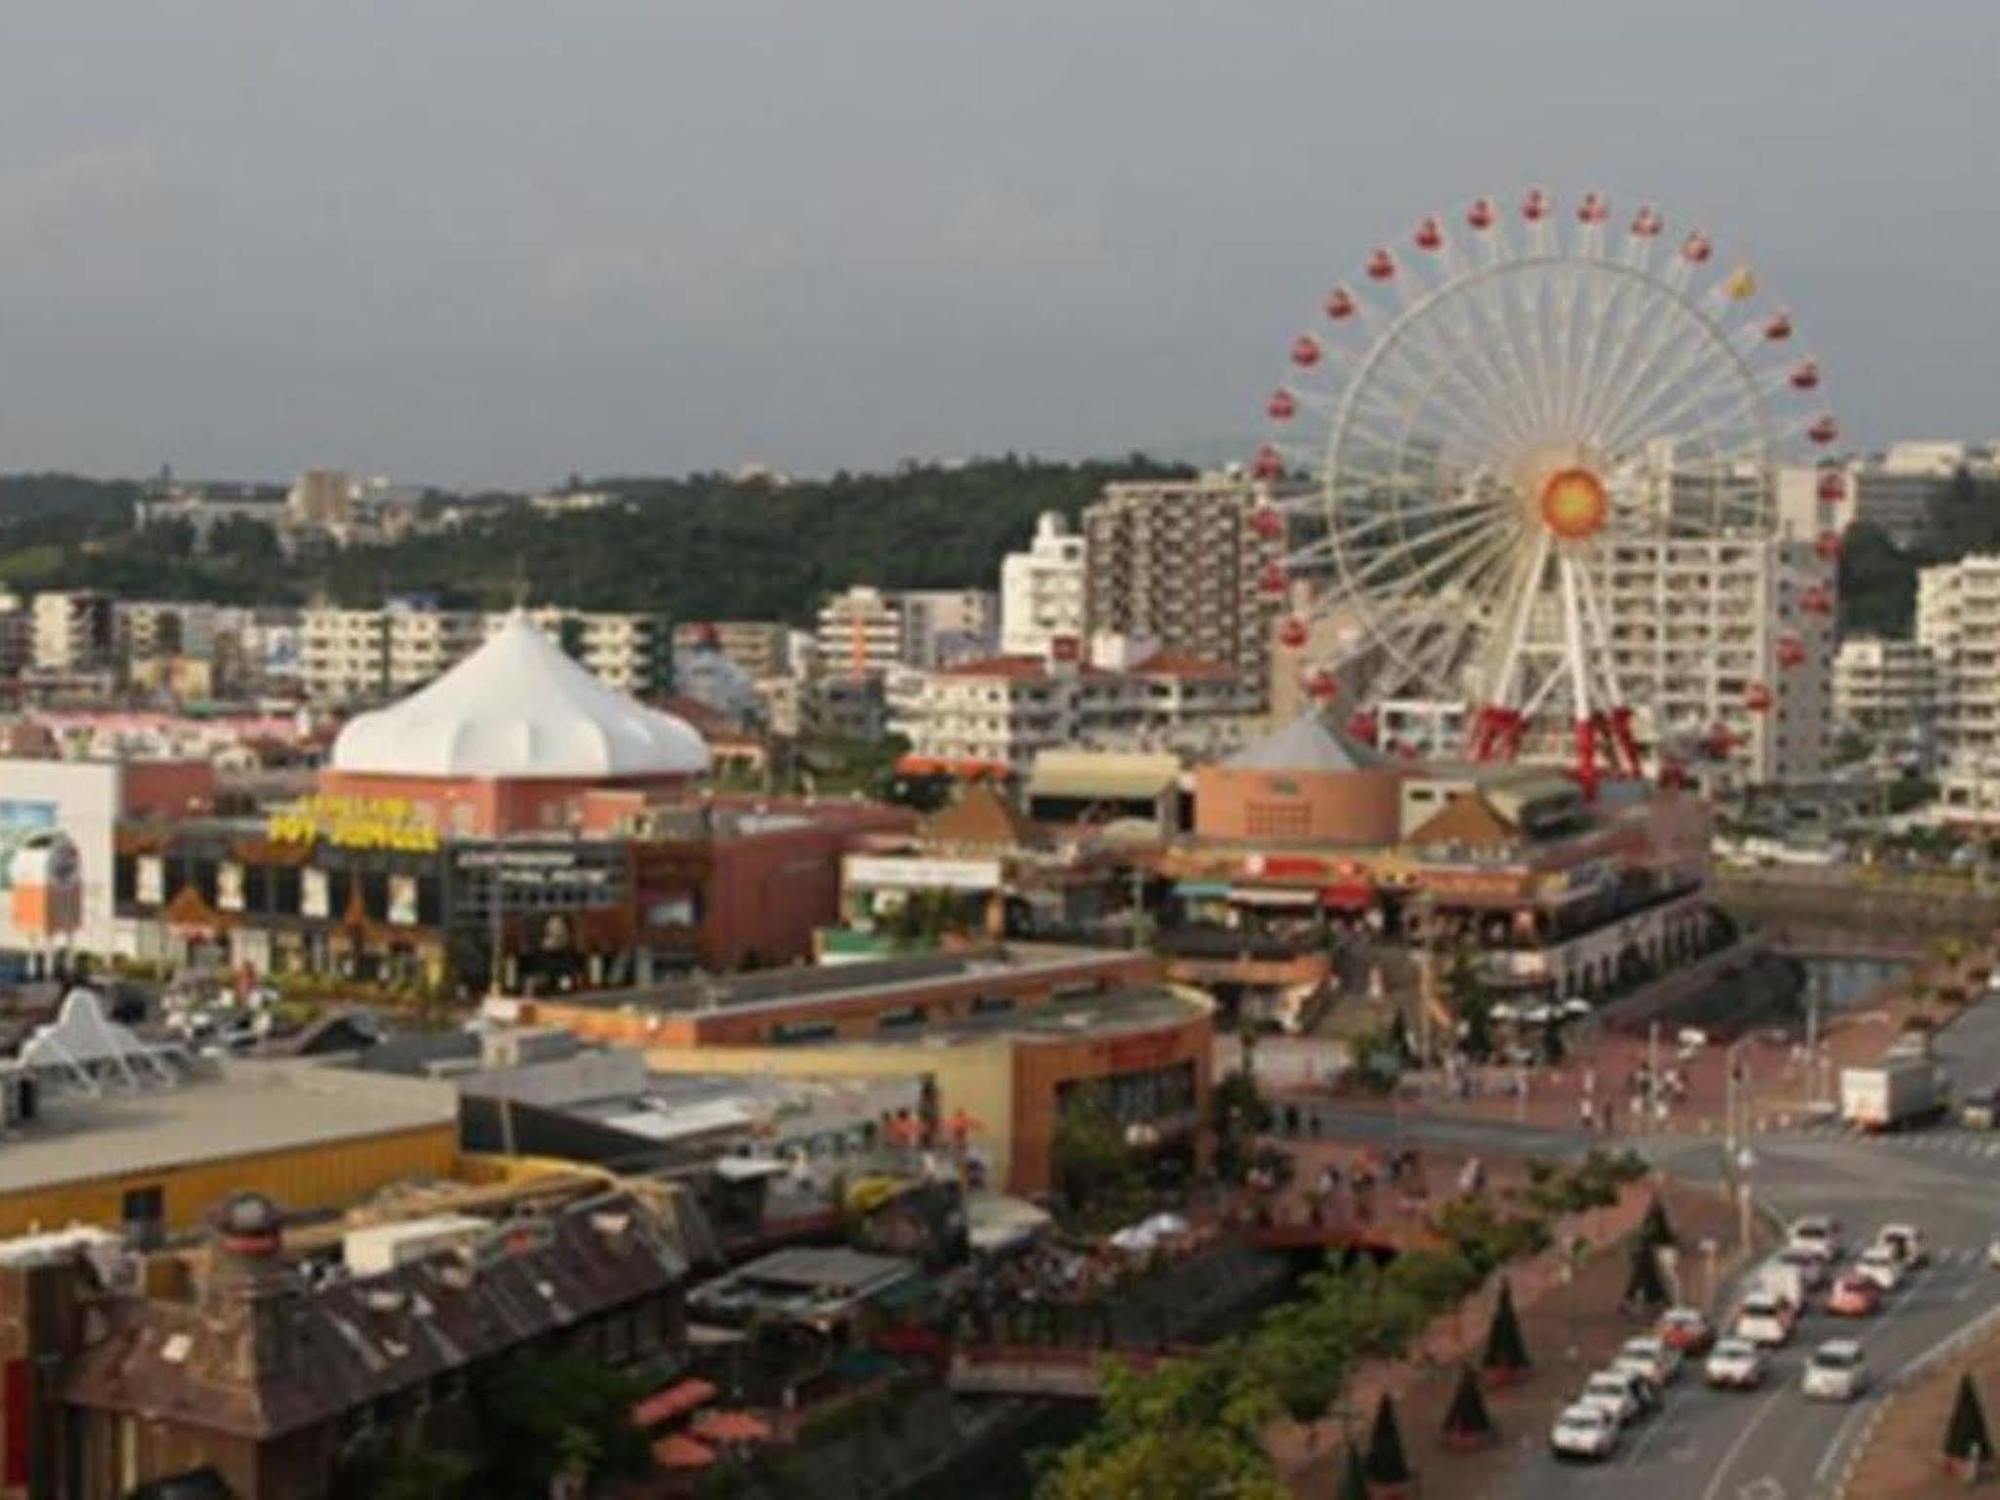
column 355, row 823
column 878, row 872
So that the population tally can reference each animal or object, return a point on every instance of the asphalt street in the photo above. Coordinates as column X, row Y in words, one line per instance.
column 1774, row 1444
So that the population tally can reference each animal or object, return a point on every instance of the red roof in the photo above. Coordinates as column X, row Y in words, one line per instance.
column 1019, row 667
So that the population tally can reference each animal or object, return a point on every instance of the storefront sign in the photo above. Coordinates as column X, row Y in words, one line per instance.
column 152, row 880
column 229, row 886
column 877, row 872
column 315, row 894
column 355, row 823
column 540, row 868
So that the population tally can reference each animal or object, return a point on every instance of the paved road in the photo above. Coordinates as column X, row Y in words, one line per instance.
column 1774, row 1444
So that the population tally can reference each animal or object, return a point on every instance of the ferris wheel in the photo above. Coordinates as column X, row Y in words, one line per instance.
column 1486, row 414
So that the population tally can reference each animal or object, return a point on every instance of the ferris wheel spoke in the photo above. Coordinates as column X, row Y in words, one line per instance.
column 1458, row 326
column 1638, row 372
column 1615, row 313
column 1394, row 573
column 1702, row 367
column 1441, row 364
column 1695, row 428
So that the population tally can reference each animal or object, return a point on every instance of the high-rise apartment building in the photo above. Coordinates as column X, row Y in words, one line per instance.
column 1179, row 563
column 1883, row 686
column 762, row 648
column 360, row 655
column 941, row 626
column 1725, row 643
column 1958, row 620
column 1041, row 589
column 75, row 630
column 859, row 633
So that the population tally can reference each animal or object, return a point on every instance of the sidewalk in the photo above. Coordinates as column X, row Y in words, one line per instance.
column 1600, row 1071
column 1570, row 1329
column 1899, row 1455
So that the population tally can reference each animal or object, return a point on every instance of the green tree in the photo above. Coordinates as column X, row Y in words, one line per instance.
column 1965, row 1436
column 1094, row 1168
column 1655, row 1230
column 1353, row 1477
column 1506, row 1355
column 551, row 1414
column 1467, row 1420
column 1189, row 1430
column 1645, row 1288
column 423, row 1473
column 1386, row 1462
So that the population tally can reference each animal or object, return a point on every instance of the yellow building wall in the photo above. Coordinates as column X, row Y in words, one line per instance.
column 978, row 1079
column 305, row 1177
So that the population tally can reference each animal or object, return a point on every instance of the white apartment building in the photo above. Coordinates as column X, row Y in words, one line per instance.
column 1725, row 642
column 859, row 633
column 1041, row 589
column 1958, row 620
column 1883, row 686
column 762, row 648
column 361, row 655
column 74, row 630
column 941, row 626
column 1000, row 713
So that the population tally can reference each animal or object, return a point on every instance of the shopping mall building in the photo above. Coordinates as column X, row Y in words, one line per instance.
column 515, row 811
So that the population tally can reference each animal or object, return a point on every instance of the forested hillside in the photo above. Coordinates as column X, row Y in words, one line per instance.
column 703, row 545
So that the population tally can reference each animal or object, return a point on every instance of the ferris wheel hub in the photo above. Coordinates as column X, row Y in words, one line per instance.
column 1574, row 504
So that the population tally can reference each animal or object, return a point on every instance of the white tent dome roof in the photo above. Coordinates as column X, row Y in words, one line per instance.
column 518, row 707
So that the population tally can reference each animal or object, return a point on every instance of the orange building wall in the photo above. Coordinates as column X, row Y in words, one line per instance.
column 853, row 1019
column 1279, row 807
column 1042, row 1066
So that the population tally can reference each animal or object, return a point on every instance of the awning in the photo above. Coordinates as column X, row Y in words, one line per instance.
column 679, row 1451
column 730, row 1427
column 1349, row 896
column 1274, row 895
column 1102, row 777
column 663, row 1405
column 930, row 765
column 1209, row 890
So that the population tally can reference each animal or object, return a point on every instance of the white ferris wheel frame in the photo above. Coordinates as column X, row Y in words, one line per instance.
column 1457, row 593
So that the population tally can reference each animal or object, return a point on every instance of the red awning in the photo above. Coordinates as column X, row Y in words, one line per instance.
column 684, row 1395
column 1348, row 896
column 682, row 1452
column 730, row 1427
column 930, row 765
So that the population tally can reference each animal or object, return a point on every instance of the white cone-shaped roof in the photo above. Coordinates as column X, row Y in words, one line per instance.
column 518, row 707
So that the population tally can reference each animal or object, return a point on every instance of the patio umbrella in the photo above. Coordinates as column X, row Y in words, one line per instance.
column 681, row 1452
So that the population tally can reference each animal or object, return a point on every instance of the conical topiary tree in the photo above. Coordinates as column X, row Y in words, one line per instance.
column 1645, row 1288
column 1966, row 1444
column 1468, row 1424
column 1506, row 1357
column 1353, row 1478
column 1656, row 1230
column 1387, row 1467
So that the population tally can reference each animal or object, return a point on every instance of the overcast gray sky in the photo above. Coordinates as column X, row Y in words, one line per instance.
column 496, row 240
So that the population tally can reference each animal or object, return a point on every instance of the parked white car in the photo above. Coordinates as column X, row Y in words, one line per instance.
column 1814, row 1265
column 1654, row 1359
column 1583, row 1431
column 1835, row 1372
column 1817, row 1232
column 1619, row 1394
column 1905, row 1242
column 1762, row 1321
column 1735, row 1364
column 1881, row 1266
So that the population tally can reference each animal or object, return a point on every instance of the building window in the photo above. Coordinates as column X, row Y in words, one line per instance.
column 145, row 1205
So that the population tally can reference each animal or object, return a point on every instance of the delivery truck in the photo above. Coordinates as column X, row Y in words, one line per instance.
column 1902, row 1089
